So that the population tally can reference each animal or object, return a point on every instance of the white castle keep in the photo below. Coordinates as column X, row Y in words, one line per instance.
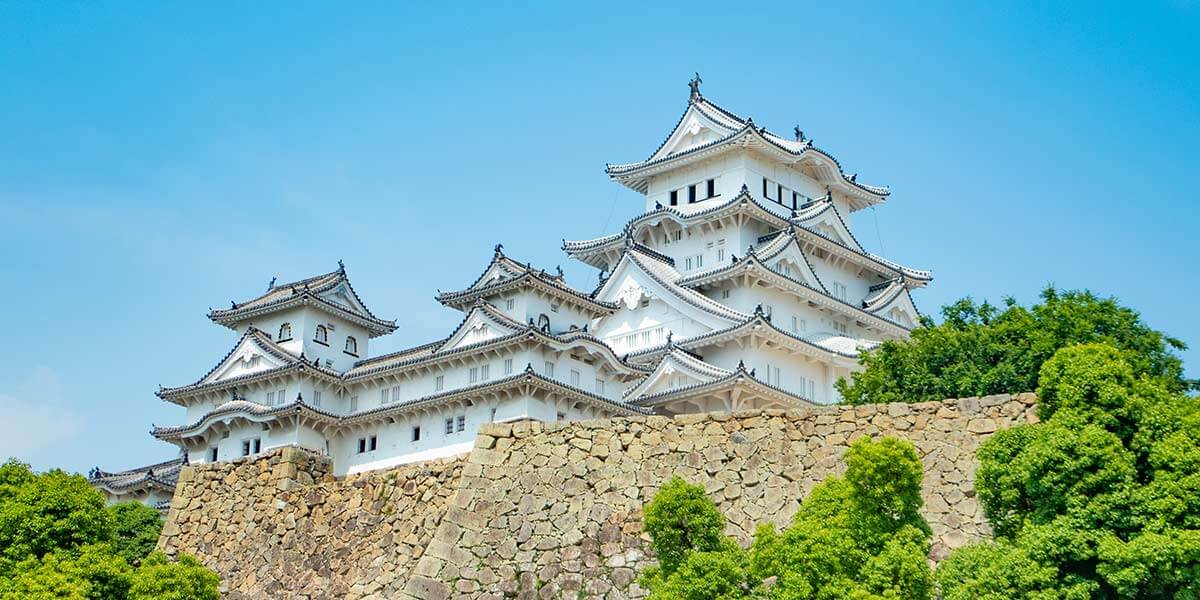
column 740, row 286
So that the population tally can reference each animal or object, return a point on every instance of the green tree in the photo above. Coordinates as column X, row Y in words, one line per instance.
column 137, row 527
column 160, row 579
column 859, row 536
column 58, row 540
column 982, row 349
column 1101, row 499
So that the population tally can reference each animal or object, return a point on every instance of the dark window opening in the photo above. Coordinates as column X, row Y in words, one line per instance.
column 416, row 437
column 362, row 445
column 691, row 194
column 373, row 443
column 212, row 454
column 779, row 193
column 764, row 187
column 712, row 188
column 675, row 198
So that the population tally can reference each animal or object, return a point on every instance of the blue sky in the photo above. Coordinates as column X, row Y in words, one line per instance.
column 158, row 159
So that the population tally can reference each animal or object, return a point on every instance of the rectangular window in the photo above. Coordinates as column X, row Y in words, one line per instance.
column 549, row 371
column 416, row 433
column 485, row 372
column 508, row 366
column 460, row 423
column 679, row 235
column 450, row 426
column 353, row 403
column 439, row 382
column 395, row 393
column 812, row 391
column 362, row 445
column 383, row 396
column 600, row 386
column 720, row 255
column 691, row 194
column 631, row 340
column 257, row 445
column 658, row 333
column 510, row 304
column 674, row 197
column 493, row 417
column 212, row 454
column 245, row 447
column 779, row 193
column 795, row 200
column 712, row 188
column 372, row 444
column 574, row 378
column 270, row 398
column 776, row 376
column 765, row 188
column 767, row 309
column 316, row 397
column 724, row 294
column 474, row 374
column 280, row 397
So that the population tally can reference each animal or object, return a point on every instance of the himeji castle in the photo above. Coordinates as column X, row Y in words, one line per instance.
column 740, row 286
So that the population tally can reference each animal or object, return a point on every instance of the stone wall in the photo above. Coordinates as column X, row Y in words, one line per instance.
column 552, row 510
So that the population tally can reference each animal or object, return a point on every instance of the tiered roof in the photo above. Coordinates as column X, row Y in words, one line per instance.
column 259, row 342
column 159, row 476
column 504, row 274
column 731, row 132
column 319, row 292
column 738, row 387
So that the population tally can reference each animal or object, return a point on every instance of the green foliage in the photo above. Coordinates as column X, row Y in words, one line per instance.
column 680, row 520
column 1100, row 500
column 859, row 536
column 58, row 540
column 136, row 527
column 992, row 571
column 51, row 511
column 161, row 579
column 980, row 349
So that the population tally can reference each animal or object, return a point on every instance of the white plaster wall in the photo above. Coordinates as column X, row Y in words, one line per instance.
column 613, row 329
column 304, row 321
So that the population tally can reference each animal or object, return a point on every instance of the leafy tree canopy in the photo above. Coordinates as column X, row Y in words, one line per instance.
column 1099, row 500
column 859, row 536
column 982, row 349
column 58, row 540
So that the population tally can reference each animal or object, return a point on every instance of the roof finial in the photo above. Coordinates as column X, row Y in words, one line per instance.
column 694, row 84
column 560, row 271
column 669, row 334
column 341, row 267
column 232, row 304
column 271, row 286
column 799, row 134
column 500, row 249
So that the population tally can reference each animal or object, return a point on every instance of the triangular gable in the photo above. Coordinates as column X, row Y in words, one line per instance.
column 828, row 223
column 344, row 297
column 896, row 305
column 676, row 370
column 696, row 128
column 793, row 258
column 632, row 281
column 251, row 355
column 480, row 325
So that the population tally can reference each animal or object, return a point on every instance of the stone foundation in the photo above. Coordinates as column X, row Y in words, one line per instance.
column 551, row 510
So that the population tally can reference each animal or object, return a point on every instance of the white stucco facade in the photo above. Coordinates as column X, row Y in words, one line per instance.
column 740, row 285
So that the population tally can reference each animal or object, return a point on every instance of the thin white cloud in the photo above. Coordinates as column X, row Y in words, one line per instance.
column 34, row 418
